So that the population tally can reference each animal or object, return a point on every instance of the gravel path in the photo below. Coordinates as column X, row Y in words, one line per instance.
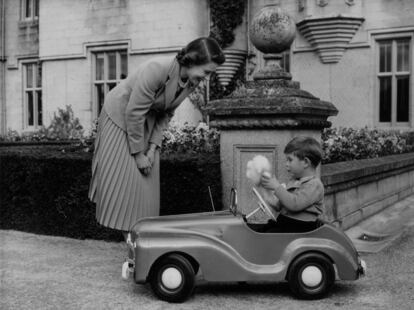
column 44, row 272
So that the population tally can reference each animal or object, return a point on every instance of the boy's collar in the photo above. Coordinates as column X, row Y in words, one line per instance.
column 299, row 182
column 306, row 179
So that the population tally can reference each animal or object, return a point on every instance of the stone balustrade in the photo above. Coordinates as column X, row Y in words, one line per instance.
column 355, row 190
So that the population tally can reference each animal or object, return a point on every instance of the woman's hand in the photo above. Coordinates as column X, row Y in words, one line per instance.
column 151, row 155
column 143, row 163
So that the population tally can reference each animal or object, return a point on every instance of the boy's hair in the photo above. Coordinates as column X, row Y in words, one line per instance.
column 303, row 147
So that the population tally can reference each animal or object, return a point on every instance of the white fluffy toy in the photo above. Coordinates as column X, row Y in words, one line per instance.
column 255, row 167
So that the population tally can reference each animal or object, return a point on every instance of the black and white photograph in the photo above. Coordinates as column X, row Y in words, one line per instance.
column 206, row 154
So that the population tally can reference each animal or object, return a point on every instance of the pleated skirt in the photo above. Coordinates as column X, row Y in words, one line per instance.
column 121, row 193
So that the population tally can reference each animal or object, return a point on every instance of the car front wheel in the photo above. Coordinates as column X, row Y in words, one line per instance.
column 172, row 278
column 311, row 276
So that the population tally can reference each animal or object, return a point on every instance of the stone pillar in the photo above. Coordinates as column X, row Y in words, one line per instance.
column 265, row 114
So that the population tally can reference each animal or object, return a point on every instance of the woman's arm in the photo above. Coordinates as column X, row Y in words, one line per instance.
column 161, row 123
column 148, row 81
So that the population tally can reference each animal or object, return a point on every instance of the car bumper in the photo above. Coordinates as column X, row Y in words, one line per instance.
column 362, row 268
column 128, row 267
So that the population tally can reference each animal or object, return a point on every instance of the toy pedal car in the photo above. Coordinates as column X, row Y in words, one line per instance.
column 169, row 251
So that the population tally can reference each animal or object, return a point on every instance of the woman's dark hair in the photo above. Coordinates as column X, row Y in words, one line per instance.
column 305, row 147
column 200, row 52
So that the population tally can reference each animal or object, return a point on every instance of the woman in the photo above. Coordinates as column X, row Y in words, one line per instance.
column 125, row 182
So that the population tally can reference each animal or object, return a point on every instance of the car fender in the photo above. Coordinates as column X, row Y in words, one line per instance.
column 345, row 261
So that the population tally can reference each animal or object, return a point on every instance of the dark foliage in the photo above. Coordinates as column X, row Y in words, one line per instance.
column 46, row 192
column 185, row 182
column 226, row 15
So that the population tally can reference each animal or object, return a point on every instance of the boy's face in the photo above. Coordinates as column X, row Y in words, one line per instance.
column 295, row 166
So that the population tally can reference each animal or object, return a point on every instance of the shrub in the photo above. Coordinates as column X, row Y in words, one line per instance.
column 44, row 190
column 344, row 144
column 64, row 126
column 190, row 140
column 14, row 136
column 339, row 144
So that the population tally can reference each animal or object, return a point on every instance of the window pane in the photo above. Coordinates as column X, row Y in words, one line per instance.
column 39, row 76
column 402, row 98
column 100, row 96
column 385, row 56
column 29, row 76
column 28, row 5
column 112, row 66
column 385, row 99
column 36, row 10
column 403, row 49
column 39, row 108
column 30, row 114
column 111, row 85
column 99, row 67
column 124, row 65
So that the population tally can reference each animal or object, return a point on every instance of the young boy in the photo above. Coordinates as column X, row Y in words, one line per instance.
column 301, row 202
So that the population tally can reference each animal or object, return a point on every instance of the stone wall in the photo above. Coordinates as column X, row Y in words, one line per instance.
column 349, row 84
column 67, row 26
column 355, row 190
column 144, row 28
column 68, row 32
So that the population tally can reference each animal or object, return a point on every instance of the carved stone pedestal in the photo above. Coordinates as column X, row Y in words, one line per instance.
column 262, row 119
column 265, row 114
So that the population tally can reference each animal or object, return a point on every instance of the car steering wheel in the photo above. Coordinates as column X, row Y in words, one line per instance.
column 263, row 205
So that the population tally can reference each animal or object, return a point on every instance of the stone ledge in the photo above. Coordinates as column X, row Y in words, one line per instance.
column 282, row 104
column 269, row 123
column 344, row 175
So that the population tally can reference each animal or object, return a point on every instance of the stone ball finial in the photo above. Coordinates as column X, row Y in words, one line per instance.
column 272, row 30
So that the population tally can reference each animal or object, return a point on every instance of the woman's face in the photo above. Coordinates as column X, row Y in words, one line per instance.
column 198, row 73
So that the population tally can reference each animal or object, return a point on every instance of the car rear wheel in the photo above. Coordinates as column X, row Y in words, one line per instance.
column 311, row 276
column 172, row 278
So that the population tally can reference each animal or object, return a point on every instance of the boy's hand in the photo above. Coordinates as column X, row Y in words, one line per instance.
column 269, row 182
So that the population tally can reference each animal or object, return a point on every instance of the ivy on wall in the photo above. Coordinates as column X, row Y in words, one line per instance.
column 226, row 15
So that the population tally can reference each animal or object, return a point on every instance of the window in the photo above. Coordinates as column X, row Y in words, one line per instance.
column 33, row 95
column 394, row 77
column 30, row 9
column 110, row 68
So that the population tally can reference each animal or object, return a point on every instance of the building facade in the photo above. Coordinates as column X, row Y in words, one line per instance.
column 355, row 53
column 72, row 52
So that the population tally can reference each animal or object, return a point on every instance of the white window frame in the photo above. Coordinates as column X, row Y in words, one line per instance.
column 34, row 14
column 394, row 124
column 35, row 89
column 105, row 81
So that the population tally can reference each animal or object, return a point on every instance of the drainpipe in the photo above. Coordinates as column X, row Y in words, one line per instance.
column 3, row 119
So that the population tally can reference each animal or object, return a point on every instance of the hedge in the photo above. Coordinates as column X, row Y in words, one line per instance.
column 44, row 190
